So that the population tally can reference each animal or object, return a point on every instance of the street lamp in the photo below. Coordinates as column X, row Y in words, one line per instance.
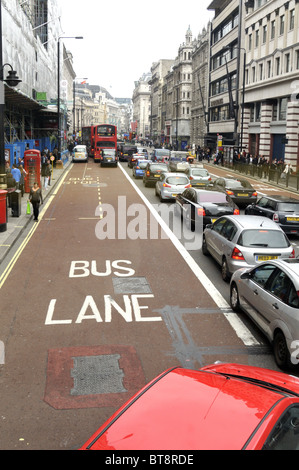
column 12, row 80
column 58, row 87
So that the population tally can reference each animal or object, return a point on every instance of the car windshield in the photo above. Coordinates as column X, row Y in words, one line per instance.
column 216, row 198
column 162, row 153
column 199, row 173
column 142, row 164
column 238, row 184
column 80, row 149
column 176, row 180
column 289, row 207
column 263, row 238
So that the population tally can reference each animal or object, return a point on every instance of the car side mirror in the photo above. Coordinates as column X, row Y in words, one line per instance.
column 246, row 275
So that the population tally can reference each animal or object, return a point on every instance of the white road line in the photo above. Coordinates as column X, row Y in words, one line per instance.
column 240, row 329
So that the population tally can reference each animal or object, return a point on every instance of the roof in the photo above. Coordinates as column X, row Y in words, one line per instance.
column 15, row 97
column 254, row 221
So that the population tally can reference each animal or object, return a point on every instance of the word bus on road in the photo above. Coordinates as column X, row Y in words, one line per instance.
column 105, row 137
column 88, row 139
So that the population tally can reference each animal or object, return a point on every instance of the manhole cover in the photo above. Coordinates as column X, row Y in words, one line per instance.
column 132, row 285
column 97, row 374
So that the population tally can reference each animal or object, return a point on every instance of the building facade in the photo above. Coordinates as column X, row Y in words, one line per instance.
column 271, row 115
column 142, row 106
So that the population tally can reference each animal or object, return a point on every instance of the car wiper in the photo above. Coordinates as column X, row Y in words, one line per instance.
column 261, row 383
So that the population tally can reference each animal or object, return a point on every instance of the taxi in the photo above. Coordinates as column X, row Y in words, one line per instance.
column 80, row 153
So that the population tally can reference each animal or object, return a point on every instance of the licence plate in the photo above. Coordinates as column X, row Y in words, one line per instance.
column 265, row 258
column 293, row 219
column 157, row 176
column 174, row 195
column 200, row 184
column 243, row 195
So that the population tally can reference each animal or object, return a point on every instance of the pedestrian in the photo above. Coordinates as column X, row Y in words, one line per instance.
column 22, row 180
column 16, row 174
column 36, row 198
column 47, row 174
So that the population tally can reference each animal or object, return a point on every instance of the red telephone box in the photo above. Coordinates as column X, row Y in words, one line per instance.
column 32, row 166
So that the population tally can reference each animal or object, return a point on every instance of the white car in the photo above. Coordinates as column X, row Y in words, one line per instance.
column 80, row 153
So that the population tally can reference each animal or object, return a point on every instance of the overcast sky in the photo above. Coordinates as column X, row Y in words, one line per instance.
column 122, row 38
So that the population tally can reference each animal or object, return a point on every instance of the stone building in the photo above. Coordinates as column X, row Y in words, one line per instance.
column 200, row 81
column 271, row 115
column 142, row 106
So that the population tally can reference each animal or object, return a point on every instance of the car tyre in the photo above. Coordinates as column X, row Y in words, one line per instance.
column 281, row 353
column 204, row 247
column 224, row 270
column 234, row 298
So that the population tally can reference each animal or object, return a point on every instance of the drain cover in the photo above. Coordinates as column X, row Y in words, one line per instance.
column 97, row 375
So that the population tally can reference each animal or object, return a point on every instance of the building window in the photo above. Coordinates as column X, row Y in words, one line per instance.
column 261, row 71
column 297, row 60
column 257, row 38
column 269, row 69
column 250, row 42
column 265, row 28
column 283, row 106
column 292, row 19
column 287, row 63
column 273, row 29
column 281, row 29
column 278, row 66
column 253, row 74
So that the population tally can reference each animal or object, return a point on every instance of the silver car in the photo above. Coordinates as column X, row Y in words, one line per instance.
column 170, row 185
column 198, row 176
column 268, row 293
column 242, row 241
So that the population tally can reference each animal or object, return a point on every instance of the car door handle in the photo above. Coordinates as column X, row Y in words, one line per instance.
column 275, row 306
column 255, row 292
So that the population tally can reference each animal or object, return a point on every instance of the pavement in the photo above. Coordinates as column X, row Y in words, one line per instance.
column 16, row 225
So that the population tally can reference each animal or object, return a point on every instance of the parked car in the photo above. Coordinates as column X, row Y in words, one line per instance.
column 218, row 407
column 139, row 168
column 132, row 159
column 80, row 153
column 109, row 157
column 198, row 175
column 153, row 172
column 170, row 185
column 199, row 206
column 125, row 151
column 238, row 241
column 240, row 190
column 160, row 155
column 178, row 161
column 269, row 296
column 283, row 210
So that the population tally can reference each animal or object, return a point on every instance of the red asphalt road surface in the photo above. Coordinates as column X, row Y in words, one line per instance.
column 49, row 318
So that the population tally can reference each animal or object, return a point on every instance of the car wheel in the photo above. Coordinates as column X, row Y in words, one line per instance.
column 224, row 270
column 204, row 247
column 281, row 353
column 234, row 298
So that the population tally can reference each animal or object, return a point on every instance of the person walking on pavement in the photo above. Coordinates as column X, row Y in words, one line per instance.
column 36, row 198
column 16, row 174
column 47, row 174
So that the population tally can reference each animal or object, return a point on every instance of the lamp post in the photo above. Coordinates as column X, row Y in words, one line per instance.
column 58, row 88
column 11, row 80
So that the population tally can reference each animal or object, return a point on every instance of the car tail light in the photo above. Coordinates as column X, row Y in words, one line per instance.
column 210, row 179
column 237, row 254
column 166, row 185
column 201, row 212
column 188, row 186
column 236, row 212
column 148, row 173
column 230, row 193
column 137, row 167
column 275, row 217
column 254, row 194
column 191, row 178
column 292, row 255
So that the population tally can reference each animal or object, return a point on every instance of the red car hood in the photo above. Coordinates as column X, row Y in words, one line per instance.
column 187, row 409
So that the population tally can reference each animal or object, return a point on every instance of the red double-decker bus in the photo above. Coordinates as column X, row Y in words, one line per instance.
column 105, row 137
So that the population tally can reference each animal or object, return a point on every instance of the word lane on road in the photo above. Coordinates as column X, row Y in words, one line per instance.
column 99, row 302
